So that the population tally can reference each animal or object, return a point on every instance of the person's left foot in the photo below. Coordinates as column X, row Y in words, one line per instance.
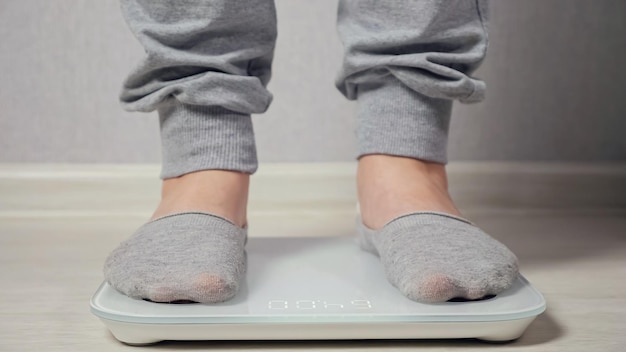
column 429, row 251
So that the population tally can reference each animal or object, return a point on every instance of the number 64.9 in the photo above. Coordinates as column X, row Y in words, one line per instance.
column 306, row 304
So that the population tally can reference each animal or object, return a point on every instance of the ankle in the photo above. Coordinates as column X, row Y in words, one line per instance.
column 389, row 186
column 395, row 167
column 220, row 192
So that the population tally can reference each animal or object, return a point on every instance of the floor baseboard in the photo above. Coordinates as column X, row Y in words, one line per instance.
column 314, row 194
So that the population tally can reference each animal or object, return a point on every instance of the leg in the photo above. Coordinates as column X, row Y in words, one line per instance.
column 206, row 70
column 405, row 62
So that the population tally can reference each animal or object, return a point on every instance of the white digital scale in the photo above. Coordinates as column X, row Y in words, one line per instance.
column 317, row 288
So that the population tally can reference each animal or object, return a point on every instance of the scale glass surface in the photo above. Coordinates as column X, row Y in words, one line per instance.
column 317, row 288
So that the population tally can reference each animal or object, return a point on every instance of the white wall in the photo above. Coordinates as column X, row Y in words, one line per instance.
column 555, row 76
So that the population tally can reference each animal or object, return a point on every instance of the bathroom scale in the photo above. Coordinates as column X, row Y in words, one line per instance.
column 317, row 288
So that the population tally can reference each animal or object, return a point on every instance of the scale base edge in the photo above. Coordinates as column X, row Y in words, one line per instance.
column 496, row 331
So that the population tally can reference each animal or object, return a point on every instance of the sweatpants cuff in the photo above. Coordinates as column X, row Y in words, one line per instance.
column 395, row 120
column 195, row 138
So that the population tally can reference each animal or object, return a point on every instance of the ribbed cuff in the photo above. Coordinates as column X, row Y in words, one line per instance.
column 395, row 120
column 195, row 138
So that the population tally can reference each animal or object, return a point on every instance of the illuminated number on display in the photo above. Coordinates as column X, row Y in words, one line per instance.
column 361, row 304
column 336, row 305
column 277, row 304
column 305, row 304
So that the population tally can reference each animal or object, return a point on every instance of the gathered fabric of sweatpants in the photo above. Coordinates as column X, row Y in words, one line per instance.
column 208, row 63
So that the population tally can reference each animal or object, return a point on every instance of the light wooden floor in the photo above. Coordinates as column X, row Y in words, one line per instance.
column 49, row 268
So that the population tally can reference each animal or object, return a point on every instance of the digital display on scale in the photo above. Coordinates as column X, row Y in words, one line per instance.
column 317, row 305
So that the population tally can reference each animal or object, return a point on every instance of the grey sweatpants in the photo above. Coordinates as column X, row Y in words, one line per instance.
column 208, row 64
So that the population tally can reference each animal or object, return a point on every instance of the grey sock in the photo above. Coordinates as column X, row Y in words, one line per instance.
column 433, row 257
column 186, row 256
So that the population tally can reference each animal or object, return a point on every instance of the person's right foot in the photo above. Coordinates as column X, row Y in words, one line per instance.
column 193, row 247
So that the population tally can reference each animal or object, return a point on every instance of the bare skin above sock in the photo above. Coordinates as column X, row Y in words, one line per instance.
column 190, row 256
column 434, row 257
